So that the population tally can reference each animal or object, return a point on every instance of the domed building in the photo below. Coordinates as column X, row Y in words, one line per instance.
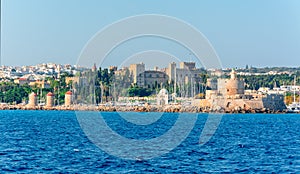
column 163, row 97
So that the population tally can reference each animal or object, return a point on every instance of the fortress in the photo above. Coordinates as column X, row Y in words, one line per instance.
column 229, row 95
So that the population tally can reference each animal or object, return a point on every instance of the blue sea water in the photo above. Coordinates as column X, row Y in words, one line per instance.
column 53, row 141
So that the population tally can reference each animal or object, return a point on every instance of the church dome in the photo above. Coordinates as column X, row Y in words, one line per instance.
column 164, row 91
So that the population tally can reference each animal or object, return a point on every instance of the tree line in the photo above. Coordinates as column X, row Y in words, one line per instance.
column 105, row 85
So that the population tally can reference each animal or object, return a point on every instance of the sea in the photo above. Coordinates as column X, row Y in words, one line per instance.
column 112, row 142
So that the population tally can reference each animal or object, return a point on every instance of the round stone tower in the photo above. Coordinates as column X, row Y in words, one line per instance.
column 68, row 98
column 32, row 99
column 234, row 85
column 50, row 99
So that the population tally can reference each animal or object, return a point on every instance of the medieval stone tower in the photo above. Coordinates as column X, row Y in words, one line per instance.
column 68, row 98
column 50, row 99
column 32, row 99
column 234, row 86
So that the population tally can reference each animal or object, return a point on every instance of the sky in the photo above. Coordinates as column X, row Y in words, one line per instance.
column 255, row 33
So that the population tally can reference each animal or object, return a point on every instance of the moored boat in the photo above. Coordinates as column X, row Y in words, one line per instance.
column 294, row 107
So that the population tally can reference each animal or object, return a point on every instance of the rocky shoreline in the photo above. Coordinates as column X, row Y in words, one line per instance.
column 149, row 108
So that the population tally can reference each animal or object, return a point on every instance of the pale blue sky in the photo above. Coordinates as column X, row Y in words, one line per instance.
column 256, row 32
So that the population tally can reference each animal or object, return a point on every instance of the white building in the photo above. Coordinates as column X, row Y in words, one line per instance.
column 163, row 97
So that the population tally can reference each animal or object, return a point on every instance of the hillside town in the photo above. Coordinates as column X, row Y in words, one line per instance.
column 183, row 85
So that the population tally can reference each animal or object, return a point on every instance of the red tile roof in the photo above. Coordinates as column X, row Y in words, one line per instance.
column 69, row 93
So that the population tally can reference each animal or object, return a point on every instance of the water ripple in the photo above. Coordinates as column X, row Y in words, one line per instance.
column 52, row 141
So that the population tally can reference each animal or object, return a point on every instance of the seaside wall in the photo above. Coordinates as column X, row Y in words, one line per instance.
column 274, row 102
column 254, row 104
column 204, row 103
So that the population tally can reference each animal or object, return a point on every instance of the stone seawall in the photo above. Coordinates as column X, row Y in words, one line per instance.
column 150, row 108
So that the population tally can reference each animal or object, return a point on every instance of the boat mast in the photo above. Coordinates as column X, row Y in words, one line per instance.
column 41, row 95
column 94, row 96
column 115, row 97
column 295, row 89
column 175, row 84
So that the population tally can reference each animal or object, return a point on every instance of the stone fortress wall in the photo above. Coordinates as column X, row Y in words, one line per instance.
column 229, row 94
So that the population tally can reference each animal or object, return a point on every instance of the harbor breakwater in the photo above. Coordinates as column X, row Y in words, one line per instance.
column 149, row 108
